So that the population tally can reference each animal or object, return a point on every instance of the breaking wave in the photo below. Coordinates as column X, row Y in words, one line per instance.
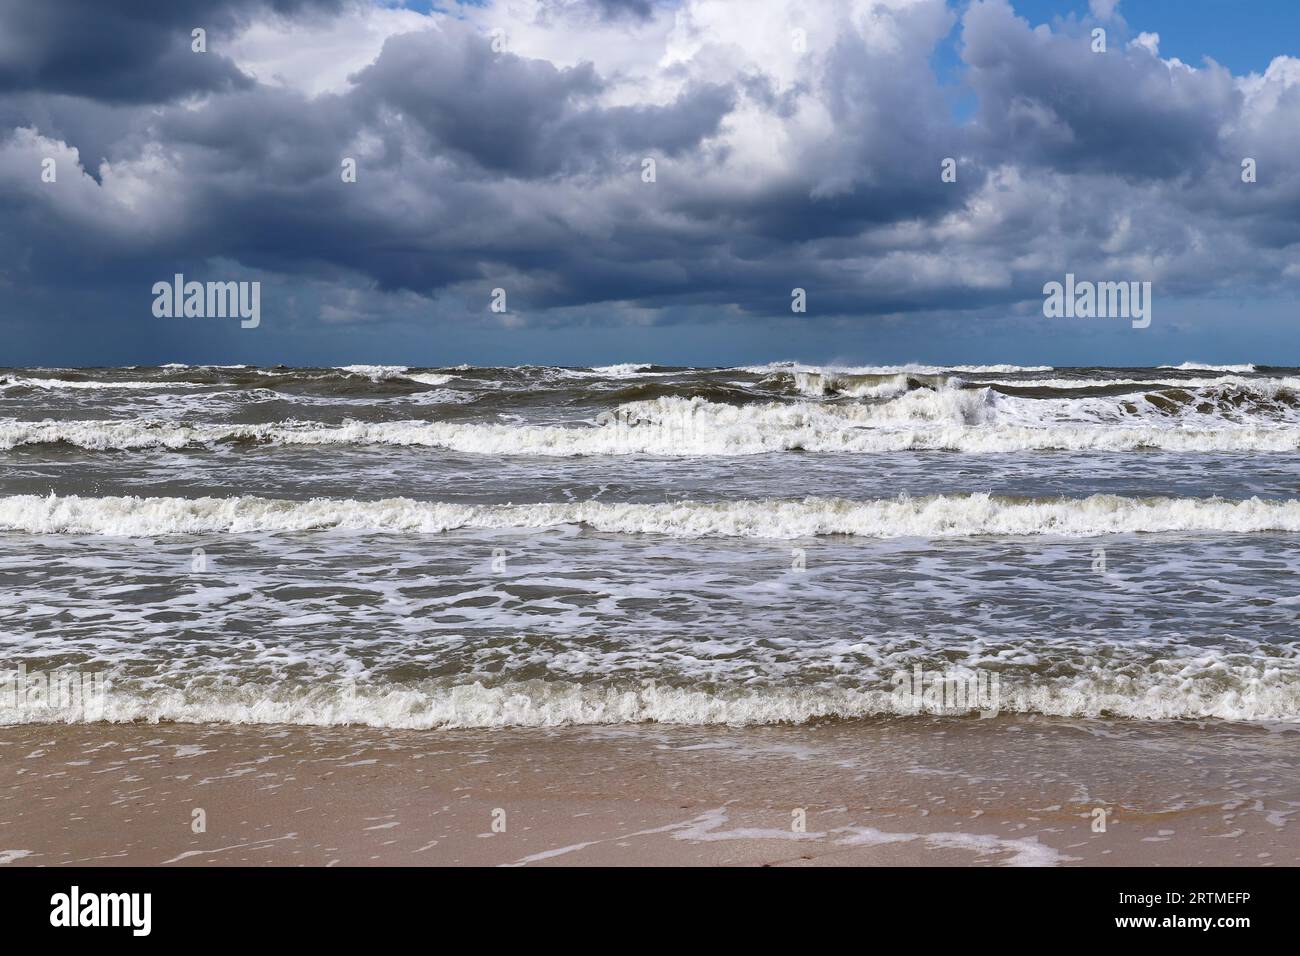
column 936, row 516
column 1208, row 687
column 974, row 421
column 1202, row 367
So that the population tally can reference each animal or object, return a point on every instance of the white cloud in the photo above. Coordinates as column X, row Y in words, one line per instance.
column 1147, row 41
column 317, row 55
column 1103, row 9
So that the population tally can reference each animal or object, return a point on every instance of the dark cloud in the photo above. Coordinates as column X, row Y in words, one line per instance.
column 1046, row 98
column 480, row 169
column 614, row 9
column 521, row 117
column 135, row 52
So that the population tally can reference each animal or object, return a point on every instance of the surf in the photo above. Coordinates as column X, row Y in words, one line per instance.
column 934, row 516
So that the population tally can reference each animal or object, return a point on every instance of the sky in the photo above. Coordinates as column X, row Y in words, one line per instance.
column 503, row 151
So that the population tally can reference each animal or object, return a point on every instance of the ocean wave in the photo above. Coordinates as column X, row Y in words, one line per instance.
column 640, row 390
column 1057, row 400
column 1210, row 687
column 1203, row 367
column 212, row 375
column 935, row 516
column 18, row 381
column 910, row 368
column 970, row 422
column 1264, row 386
column 376, row 373
column 425, row 378
column 622, row 370
column 820, row 384
column 391, row 373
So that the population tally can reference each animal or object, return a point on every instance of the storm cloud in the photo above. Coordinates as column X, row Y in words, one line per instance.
column 792, row 144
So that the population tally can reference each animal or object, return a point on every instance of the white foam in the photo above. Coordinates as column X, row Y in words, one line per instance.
column 58, row 383
column 910, row 368
column 376, row 373
column 1264, row 386
column 818, row 384
column 652, row 438
column 429, row 378
column 1272, row 696
column 1233, row 414
column 975, row 421
column 624, row 370
column 938, row 516
column 1203, row 367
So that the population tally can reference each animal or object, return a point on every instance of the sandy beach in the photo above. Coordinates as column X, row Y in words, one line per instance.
column 1010, row 791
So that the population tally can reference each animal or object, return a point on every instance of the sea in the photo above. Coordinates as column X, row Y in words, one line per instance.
column 475, row 547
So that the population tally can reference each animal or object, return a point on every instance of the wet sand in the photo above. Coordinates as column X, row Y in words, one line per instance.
column 1007, row 791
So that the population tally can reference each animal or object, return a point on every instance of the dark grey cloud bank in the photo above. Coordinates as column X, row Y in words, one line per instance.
column 127, row 52
column 480, row 169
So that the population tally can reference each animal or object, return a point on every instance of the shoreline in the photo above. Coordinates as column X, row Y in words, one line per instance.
column 911, row 791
